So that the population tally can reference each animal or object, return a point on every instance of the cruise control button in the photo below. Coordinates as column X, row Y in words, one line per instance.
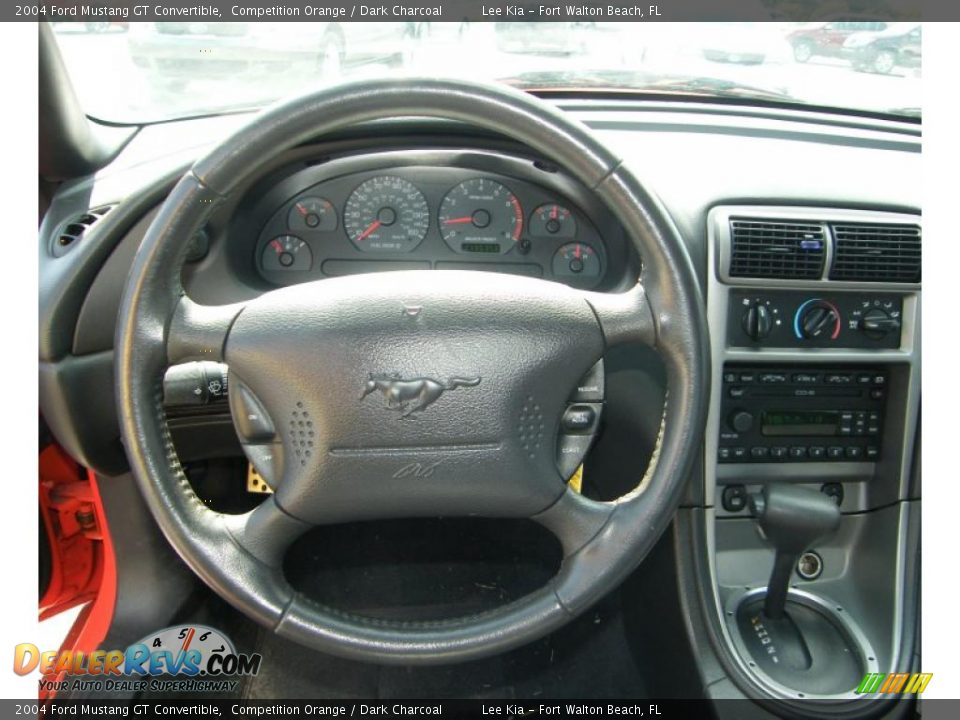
column 570, row 453
column 579, row 418
column 268, row 460
column 590, row 387
column 252, row 422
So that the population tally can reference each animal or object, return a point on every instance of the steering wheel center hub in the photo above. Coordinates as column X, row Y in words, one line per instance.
column 415, row 393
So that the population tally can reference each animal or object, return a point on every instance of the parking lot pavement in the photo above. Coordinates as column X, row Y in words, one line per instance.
column 111, row 86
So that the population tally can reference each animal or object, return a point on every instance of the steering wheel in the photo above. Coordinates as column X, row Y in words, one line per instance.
column 506, row 352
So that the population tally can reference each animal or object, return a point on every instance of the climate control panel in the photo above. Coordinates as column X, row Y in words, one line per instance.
column 796, row 318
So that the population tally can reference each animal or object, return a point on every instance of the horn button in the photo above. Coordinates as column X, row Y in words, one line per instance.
column 417, row 393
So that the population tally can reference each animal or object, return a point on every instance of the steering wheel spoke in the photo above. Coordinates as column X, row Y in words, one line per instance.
column 624, row 317
column 266, row 532
column 575, row 520
column 199, row 332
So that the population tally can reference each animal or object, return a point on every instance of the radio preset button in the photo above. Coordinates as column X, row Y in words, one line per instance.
column 739, row 453
column 817, row 452
column 778, row 452
column 853, row 452
column 838, row 379
column 798, row 452
column 759, row 452
column 834, row 452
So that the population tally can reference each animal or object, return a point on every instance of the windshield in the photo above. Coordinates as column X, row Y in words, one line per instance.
column 142, row 71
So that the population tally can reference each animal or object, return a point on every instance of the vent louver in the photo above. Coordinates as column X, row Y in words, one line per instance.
column 776, row 249
column 867, row 252
column 75, row 228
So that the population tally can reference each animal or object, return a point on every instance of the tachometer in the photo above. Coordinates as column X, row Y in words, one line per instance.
column 481, row 215
column 286, row 252
column 386, row 214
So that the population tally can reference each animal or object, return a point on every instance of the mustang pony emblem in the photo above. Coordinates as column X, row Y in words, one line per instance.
column 414, row 395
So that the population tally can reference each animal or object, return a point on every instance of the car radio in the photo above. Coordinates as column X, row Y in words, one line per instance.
column 801, row 414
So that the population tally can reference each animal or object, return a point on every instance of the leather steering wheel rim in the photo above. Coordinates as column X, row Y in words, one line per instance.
column 240, row 557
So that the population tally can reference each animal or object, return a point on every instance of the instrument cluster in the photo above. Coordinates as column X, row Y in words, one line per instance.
column 429, row 217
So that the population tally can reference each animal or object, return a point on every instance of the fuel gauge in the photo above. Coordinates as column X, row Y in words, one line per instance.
column 287, row 252
column 312, row 213
column 552, row 220
column 577, row 264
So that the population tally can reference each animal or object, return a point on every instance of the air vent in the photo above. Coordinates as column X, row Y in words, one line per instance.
column 776, row 249
column 75, row 228
column 876, row 253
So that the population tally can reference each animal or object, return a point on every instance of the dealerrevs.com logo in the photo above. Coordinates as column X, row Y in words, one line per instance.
column 189, row 658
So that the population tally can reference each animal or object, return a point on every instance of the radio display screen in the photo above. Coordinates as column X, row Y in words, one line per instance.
column 800, row 422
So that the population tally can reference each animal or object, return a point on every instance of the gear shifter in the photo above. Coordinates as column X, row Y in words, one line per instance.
column 792, row 519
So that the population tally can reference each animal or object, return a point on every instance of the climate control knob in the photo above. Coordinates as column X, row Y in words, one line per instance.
column 817, row 320
column 877, row 324
column 757, row 321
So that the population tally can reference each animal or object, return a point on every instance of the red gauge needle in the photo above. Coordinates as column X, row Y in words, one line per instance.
column 371, row 229
column 459, row 220
column 553, row 213
column 277, row 246
column 302, row 210
column 577, row 253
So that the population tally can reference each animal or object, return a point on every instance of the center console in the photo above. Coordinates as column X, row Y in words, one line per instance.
column 815, row 326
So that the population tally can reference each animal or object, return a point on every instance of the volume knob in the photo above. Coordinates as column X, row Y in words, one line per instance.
column 741, row 421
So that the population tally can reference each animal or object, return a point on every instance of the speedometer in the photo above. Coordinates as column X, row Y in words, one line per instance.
column 481, row 215
column 386, row 214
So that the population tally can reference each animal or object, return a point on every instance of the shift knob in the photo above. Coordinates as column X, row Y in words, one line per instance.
column 792, row 519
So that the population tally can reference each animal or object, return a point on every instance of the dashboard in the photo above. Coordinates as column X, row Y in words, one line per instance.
column 815, row 371
column 443, row 209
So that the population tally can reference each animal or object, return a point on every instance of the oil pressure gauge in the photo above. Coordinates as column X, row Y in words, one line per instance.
column 552, row 220
column 577, row 264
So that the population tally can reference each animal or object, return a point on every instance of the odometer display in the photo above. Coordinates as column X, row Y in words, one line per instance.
column 386, row 214
column 480, row 212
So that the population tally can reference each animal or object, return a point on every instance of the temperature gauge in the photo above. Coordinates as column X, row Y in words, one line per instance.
column 287, row 252
column 312, row 213
column 552, row 220
column 577, row 264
